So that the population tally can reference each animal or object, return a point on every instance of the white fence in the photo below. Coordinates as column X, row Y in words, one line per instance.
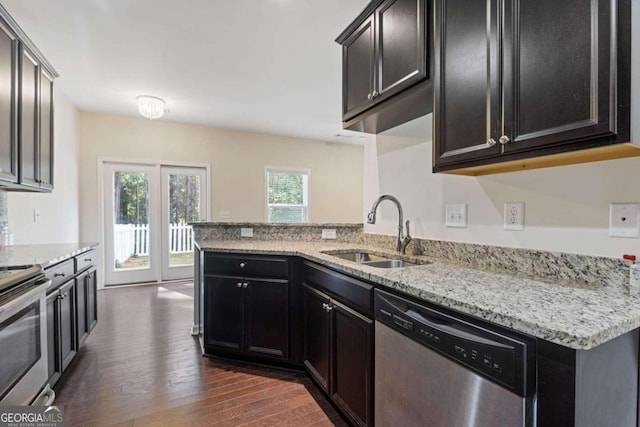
column 130, row 239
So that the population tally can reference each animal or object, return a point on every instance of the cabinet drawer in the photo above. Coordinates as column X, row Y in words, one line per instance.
column 60, row 273
column 85, row 260
column 246, row 266
column 351, row 292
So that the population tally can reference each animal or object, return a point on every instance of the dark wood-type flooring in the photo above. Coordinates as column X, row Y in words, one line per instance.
column 141, row 367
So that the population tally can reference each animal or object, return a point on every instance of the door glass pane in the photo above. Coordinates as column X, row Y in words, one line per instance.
column 184, row 207
column 131, row 220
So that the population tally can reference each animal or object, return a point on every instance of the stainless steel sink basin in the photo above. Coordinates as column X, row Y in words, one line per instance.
column 389, row 263
column 359, row 257
column 373, row 260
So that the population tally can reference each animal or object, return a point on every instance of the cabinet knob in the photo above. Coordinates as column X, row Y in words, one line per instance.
column 369, row 97
column 244, row 285
column 44, row 181
column 58, row 274
column 375, row 94
column 329, row 308
column 324, row 306
column 491, row 142
column 239, row 284
column 243, row 264
column 504, row 139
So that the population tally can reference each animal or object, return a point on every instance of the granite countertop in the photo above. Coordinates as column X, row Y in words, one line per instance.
column 281, row 224
column 570, row 315
column 43, row 255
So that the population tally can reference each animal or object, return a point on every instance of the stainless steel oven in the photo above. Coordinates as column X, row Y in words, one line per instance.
column 23, row 340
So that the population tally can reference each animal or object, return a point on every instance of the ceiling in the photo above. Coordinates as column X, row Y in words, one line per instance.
column 267, row 66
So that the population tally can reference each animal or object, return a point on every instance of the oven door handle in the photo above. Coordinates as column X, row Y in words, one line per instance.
column 45, row 398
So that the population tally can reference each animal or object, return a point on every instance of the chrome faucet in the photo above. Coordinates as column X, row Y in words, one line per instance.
column 402, row 241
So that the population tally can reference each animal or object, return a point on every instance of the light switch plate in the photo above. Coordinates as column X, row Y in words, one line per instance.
column 246, row 232
column 514, row 216
column 329, row 233
column 624, row 220
column 456, row 215
column 36, row 215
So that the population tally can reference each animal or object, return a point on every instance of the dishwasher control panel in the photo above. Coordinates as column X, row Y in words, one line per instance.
column 505, row 358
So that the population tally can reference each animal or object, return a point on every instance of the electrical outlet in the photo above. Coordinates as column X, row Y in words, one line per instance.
column 514, row 216
column 624, row 220
column 329, row 233
column 246, row 232
column 36, row 215
column 456, row 215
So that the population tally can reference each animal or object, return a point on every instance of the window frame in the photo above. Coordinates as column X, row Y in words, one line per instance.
column 307, row 194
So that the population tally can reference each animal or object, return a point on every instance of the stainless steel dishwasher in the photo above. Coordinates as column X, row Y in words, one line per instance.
column 437, row 370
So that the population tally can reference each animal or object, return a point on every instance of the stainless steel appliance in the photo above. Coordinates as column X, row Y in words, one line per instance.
column 437, row 370
column 23, row 337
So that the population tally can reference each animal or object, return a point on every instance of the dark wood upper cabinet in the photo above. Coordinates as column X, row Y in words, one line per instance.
column 26, row 111
column 520, row 80
column 29, row 150
column 385, row 52
column 46, row 130
column 8, row 106
column 358, row 70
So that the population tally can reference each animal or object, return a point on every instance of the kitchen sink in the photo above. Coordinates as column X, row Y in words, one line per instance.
column 373, row 260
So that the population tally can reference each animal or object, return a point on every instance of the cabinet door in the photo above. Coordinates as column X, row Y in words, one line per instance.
column 8, row 106
column 81, row 307
column 316, row 336
column 352, row 356
column 358, row 70
column 46, row 130
column 68, row 327
column 558, row 81
column 223, row 310
column 266, row 305
column 402, row 45
column 54, row 366
column 466, row 77
column 29, row 152
column 91, row 283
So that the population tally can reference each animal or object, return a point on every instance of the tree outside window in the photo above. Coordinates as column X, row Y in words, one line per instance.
column 287, row 196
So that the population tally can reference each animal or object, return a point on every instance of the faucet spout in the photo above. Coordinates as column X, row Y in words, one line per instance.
column 402, row 240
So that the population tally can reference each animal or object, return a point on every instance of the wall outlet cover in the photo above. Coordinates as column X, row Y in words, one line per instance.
column 624, row 220
column 246, row 232
column 329, row 233
column 456, row 215
column 36, row 215
column 514, row 216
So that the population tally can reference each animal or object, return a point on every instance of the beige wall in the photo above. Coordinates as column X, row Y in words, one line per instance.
column 237, row 161
column 59, row 209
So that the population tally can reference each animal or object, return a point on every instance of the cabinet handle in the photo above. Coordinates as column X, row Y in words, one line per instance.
column 87, row 260
column 375, row 94
column 504, row 139
column 244, row 285
column 324, row 306
column 329, row 308
column 491, row 142
column 44, row 181
column 65, row 294
column 239, row 284
column 58, row 274
column 243, row 264
column 369, row 97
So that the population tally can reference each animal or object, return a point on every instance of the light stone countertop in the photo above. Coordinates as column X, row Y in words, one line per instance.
column 573, row 316
column 44, row 255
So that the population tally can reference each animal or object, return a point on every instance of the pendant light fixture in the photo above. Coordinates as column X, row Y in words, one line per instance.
column 151, row 107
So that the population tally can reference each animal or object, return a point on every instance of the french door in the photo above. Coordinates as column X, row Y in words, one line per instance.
column 147, row 211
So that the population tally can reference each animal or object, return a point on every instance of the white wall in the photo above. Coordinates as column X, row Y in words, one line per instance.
column 59, row 209
column 567, row 208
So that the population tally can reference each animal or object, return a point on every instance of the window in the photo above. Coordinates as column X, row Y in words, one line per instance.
column 287, row 195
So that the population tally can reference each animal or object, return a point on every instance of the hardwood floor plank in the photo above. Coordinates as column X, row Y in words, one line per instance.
column 141, row 367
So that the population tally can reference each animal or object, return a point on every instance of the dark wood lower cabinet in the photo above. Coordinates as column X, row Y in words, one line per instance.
column 81, row 311
column 249, row 316
column 338, row 354
column 317, row 336
column 91, row 284
column 68, row 326
column 352, row 356
column 54, row 366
